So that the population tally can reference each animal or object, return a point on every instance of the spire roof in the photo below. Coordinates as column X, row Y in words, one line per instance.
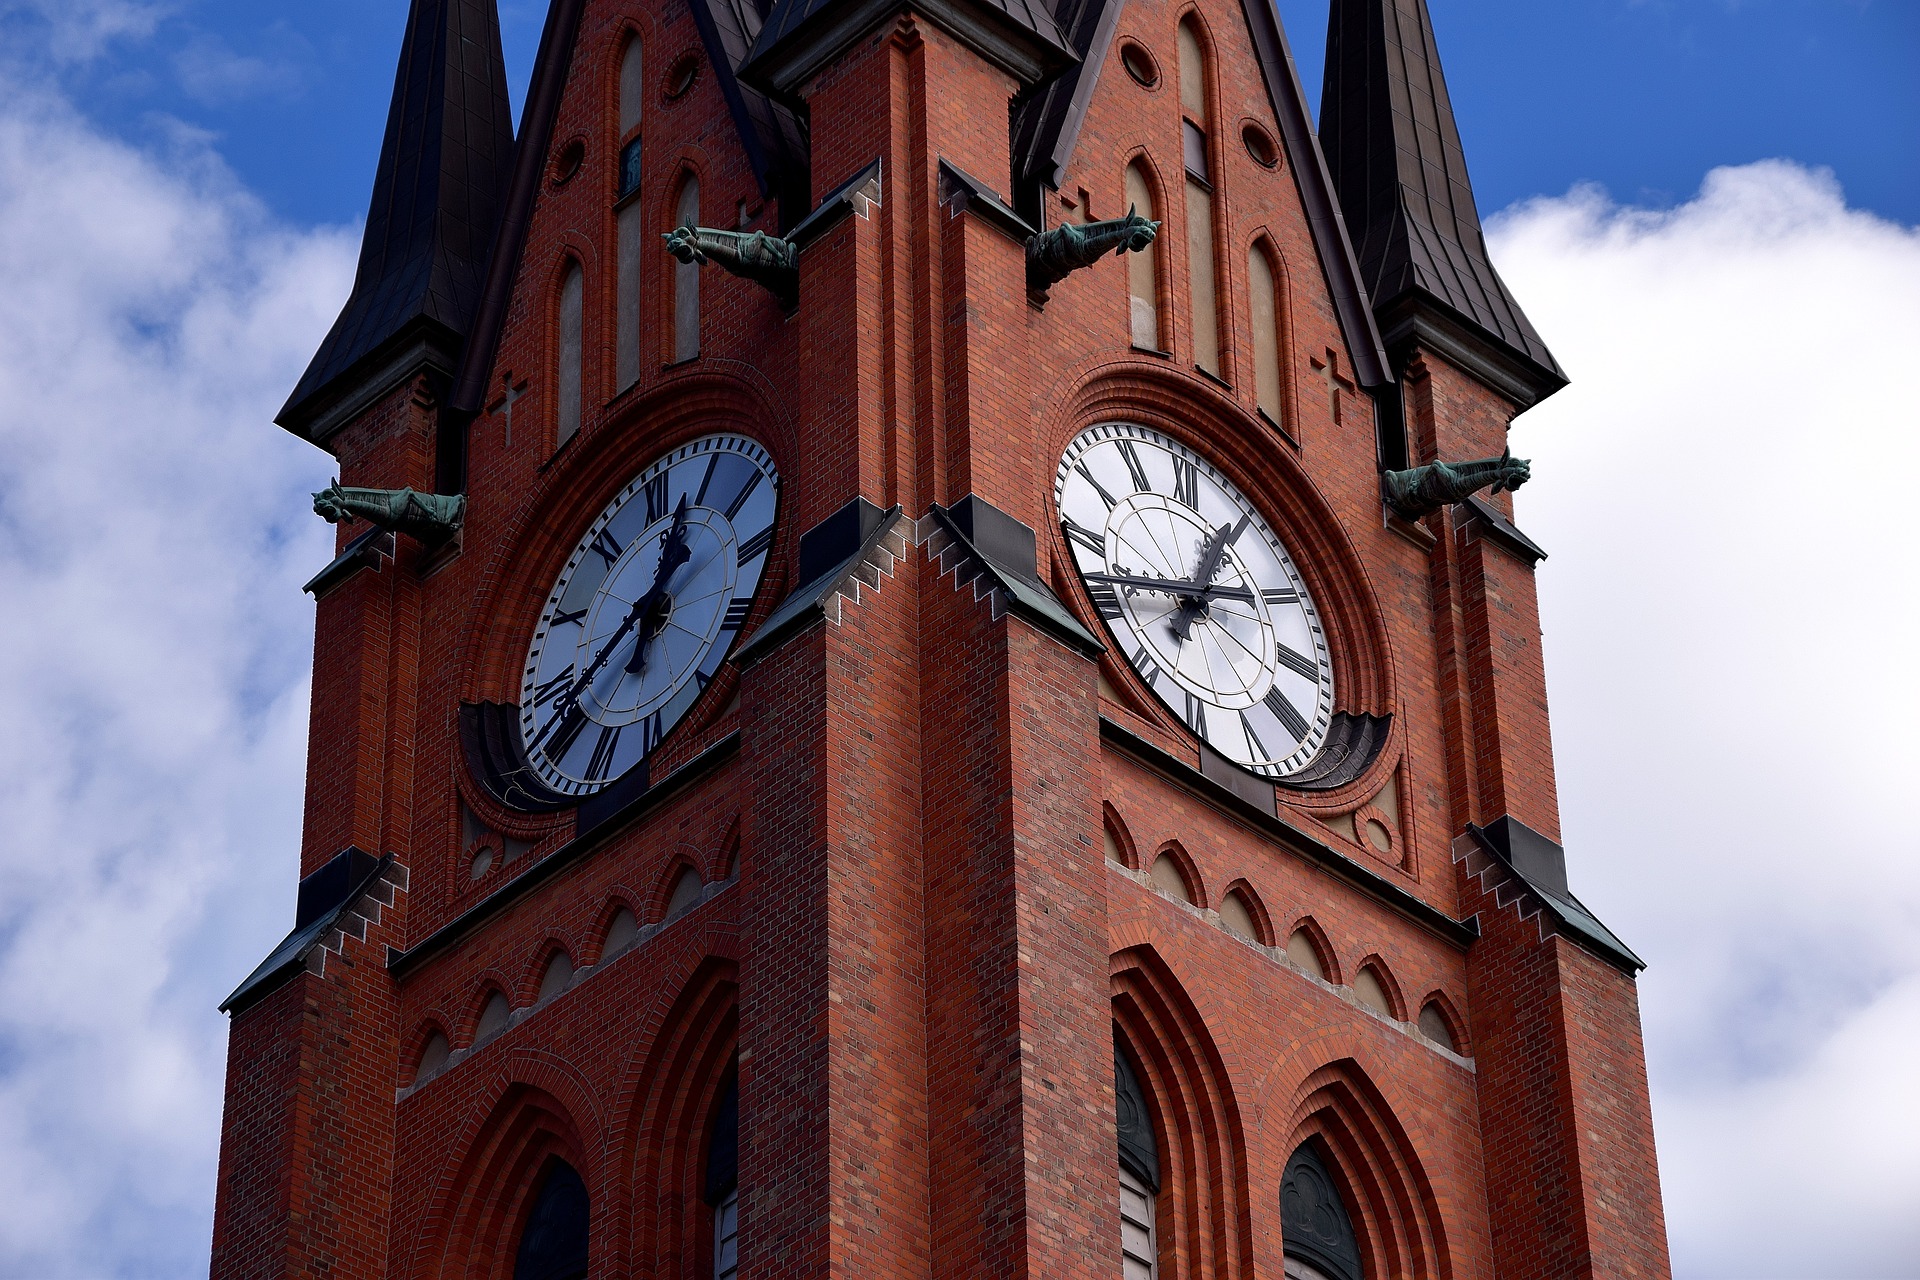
column 1388, row 131
column 444, row 163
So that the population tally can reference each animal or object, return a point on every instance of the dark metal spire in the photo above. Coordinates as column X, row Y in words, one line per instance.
column 436, row 200
column 1387, row 128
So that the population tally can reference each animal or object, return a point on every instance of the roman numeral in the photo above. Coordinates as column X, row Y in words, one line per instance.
column 736, row 614
column 607, row 548
column 1186, row 483
column 1194, row 714
column 1288, row 714
column 650, row 733
column 1097, row 486
column 1149, row 669
column 1298, row 662
column 1106, row 600
column 1254, row 745
column 713, row 462
column 746, row 491
column 1280, row 595
column 565, row 730
column 552, row 689
column 1134, row 469
column 603, row 750
column 656, row 497
column 757, row 545
column 577, row 617
column 1086, row 538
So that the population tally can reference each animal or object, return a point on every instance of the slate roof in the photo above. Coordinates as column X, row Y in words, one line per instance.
column 436, row 197
column 1393, row 147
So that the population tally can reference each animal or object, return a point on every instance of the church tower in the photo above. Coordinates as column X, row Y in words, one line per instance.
column 931, row 674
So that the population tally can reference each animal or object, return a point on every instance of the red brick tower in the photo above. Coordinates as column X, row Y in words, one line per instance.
column 930, row 674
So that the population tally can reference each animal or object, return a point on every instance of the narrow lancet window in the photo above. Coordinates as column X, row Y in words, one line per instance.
column 628, row 228
column 723, row 1184
column 1315, row 1229
column 686, row 278
column 1195, row 143
column 553, row 1244
column 1139, row 1173
column 1143, row 268
column 1263, row 288
column 567, row 382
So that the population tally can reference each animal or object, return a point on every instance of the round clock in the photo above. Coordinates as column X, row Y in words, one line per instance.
column 1199, row 595
column 646, row 610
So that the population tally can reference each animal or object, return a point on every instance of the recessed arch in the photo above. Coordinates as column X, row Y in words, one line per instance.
column 1373, row 976
column 492, row 1015
column 1242, row 912
column 1146, row 310
column 569, row 350
column 1118, row 840
column 432, row 1049
column 686, row 275
column 680, row 890
column 1440, row 1021
column 1173, row 872
column 621, row 931
column 1202, row 1209
column 556, row 975
column 1309, row 948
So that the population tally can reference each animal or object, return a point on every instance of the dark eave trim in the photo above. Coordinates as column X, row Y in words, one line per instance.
column 968, row 194
column 529, row 164
column 1481, row 518
column 1315, row 181
column 400, row 963
column 1458, row 933
column 368, row 551
column 851, row 197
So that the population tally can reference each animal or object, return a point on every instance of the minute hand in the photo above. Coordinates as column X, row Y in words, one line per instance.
column 1170, row 586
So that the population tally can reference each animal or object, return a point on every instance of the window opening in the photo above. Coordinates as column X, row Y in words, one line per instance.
column 723, row 1183
column 1263, row 290
column 553, row 1245
column 686, row 278
column 629, row 223
column 1316, row 1231
column 1143, row 268
column 567, row 388
column 1139, row 1172
column 1202, row 285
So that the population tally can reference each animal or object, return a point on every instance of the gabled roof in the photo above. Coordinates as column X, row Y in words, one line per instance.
column 800, row 36
column 1393, row 147
column 436, row 203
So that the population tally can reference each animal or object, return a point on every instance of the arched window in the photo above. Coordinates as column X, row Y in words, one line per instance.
column 566, row 381
column 553, row 1245
column 1315, row 1230
column 723, row 1183
column 1263, row 290
column 686, row 277
column 1195, row 146
column 1139, row 1173
column 1143, row 268
column 633, row 92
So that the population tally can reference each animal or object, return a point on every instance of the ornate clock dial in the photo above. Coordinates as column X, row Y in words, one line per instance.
column 646, row 610
column 1199, row 595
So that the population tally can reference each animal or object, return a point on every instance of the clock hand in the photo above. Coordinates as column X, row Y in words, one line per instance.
column 1169, row 586
column 674, row 552
column 1212, row 555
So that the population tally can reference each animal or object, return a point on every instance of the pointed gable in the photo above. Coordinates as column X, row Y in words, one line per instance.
column 1388, row 131
column 430, row 227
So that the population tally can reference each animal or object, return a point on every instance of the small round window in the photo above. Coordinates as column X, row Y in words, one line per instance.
column 1139, row 63
column 568, row 162
column 1260, row 146
column 681, row 76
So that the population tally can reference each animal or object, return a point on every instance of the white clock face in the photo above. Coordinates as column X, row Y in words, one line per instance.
column 646, row 610
column 1199, row 595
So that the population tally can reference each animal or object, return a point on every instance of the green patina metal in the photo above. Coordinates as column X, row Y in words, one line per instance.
column 1054, row 255
column 430, row 517
column 1424, row 490
column 766, row 260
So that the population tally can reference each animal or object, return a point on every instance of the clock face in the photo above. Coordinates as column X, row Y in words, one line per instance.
column 646, row 610
column 1199, row 595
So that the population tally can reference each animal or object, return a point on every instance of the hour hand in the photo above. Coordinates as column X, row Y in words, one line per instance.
column 1182, row 588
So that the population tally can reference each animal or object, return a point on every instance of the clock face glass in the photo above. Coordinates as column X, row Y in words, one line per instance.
column 1199, row 595
column 646, row 610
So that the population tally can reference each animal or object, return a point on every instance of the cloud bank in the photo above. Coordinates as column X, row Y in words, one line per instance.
column 1731, row 614
column 153, row 662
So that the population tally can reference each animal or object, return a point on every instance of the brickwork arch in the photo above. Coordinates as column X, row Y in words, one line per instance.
column 1189, row 871
column 673, row 1092
column 1204, row 1213
column 1322, row 946
column 1116, row 830
column 1376, row 1169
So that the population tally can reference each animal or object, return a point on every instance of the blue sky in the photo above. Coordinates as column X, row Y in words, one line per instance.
column 1641, row 96
column 1729, row 617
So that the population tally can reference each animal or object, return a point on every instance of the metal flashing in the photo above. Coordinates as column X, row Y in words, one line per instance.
column 325, row 895
column 964, row 193
column 1528, row 873
column 370, row 550
column 856, row 196
column 857, row 545
column 1477, row 517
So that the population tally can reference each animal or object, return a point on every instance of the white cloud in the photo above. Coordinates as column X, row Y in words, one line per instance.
column 80, row 30
column 1731, row 613
column 153, row 662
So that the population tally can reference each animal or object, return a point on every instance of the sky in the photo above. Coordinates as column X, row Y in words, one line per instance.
column 1707, row 207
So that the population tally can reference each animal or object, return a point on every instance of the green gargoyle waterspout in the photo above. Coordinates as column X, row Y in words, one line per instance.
column 1055, row 254
column 766, row 260
column 1423, row 490
column 433, row 518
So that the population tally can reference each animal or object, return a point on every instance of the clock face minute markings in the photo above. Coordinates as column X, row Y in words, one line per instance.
column 645, row 611
column 1203, row 600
